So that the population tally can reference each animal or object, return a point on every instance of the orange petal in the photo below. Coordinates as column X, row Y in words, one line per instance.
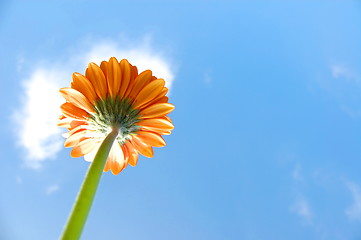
column 157, row 123
column 85, row 146
column 132, row 153
column 163, row 99
column 76, row 123
column 116, row 158
column 75, row 97
column 83, row 85
column 167, row 118
column 149, row 92
column 165, row 90
column 113, row 76
column 125, row 68
column 151, row 139
column 134, row 72
column 125, row 152
column 104, row 67
column 142, row 147
column 107, row 165
column 158, row 99
column 164, row 132
column 140, row 82
column 76, row 129
column 64, row 122
column 127, row 155
column 96, row 76
column 72, row 111
column 156, row 130
column 75, row 138
column 133, row 76
column 156, row 110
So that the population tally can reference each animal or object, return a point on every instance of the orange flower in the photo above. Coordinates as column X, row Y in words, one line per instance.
column 112, row 96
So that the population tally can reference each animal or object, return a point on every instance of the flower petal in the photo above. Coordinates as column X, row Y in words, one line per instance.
column 64, row 122
column 72, row 111
column 163, row 99
column 96, row 76
column 142, row 80
column 125, row 69
column 75, row 138
column 157, row 131
column 85, row 146
column 76, row 123
column 104, row 68
column 133, row 76
column 142, row 147
column 89, row 157
column 134, row 72
column 156, row 110
column 157, row 99
column 151, row 139
column 107, row 165
column 116, row 158
column 149, row 92
column 75, row 97
column 83, row 85
column 132, row 153
column 157, row 123
column 113, row 77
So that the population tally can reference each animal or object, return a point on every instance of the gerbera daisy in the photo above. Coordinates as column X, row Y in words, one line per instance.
column 115, row 96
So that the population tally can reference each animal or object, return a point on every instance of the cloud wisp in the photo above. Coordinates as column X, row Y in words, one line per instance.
column 300, row 206
column 340, row 71
column 302, row 209
column 52, row 189
column 296, row 174
column 354, row 211
column 36, row 129
column 343, row 84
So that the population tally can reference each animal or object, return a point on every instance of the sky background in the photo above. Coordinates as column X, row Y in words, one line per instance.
column 267, row 132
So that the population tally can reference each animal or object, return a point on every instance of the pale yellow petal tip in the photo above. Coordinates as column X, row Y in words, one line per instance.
column 63, row 90
column 113, row 59
column 76, row 74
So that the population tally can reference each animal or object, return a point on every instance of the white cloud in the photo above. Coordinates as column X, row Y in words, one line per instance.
column 340, row 71
column 344, row 80
column 51, row 189
column 300, row 206
column 343, row 84
column 36, row 128
column 36, row 122
column 302, row 209
column 296, row 174
column 354, row 211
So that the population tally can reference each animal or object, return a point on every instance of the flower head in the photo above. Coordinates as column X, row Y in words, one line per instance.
column 115, row 96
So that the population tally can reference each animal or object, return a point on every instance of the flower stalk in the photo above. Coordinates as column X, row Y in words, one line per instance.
column 84, row 200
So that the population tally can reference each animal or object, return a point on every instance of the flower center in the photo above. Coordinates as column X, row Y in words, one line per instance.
column 115, row 113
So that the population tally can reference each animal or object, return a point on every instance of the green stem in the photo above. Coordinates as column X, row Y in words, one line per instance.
column 84, row 200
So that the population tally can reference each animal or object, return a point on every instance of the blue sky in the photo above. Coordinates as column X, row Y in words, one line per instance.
column 267, row 121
